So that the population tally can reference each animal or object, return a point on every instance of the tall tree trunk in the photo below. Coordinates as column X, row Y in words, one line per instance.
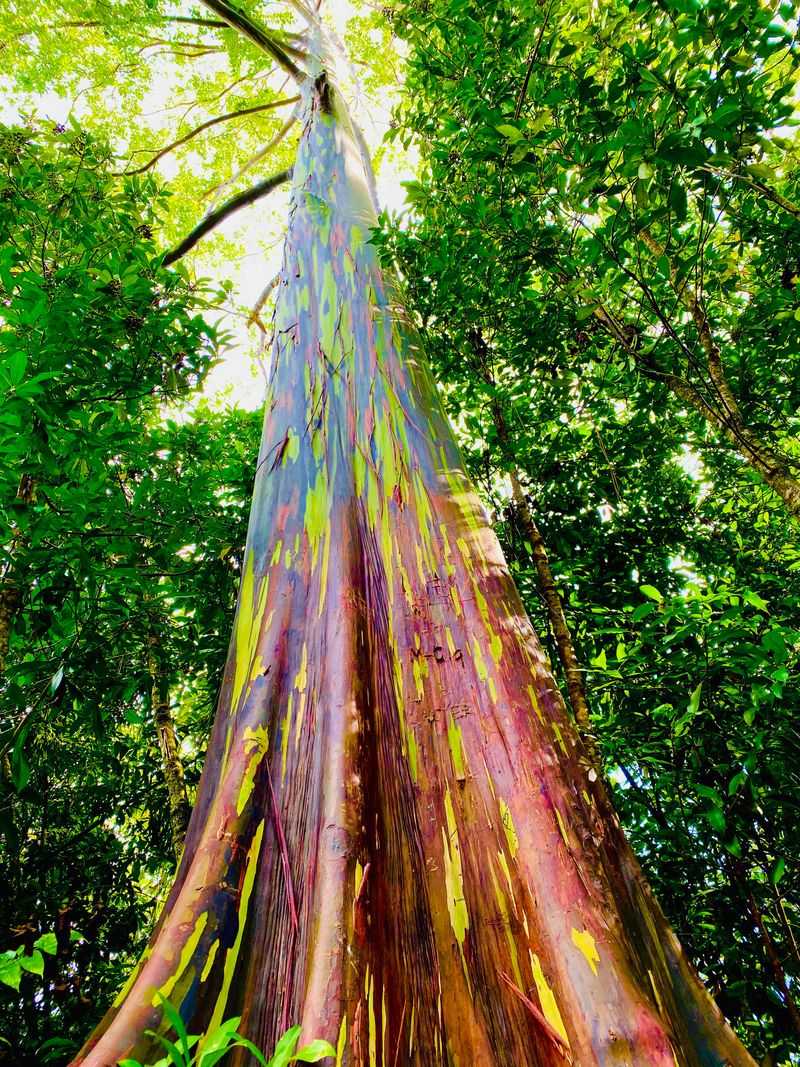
column 180, row 809
column 396, row 842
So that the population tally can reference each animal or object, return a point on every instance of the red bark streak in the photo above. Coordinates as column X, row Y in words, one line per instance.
column 545, row 1025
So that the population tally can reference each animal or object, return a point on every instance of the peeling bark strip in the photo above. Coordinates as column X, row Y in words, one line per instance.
column 391, row 761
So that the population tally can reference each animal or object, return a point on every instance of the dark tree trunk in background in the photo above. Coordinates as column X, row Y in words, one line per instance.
column 180, row 809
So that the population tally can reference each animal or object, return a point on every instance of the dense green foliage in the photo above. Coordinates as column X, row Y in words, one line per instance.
column 604, row 251
column 126, row 534
column 551, row 137
column 188, row 1051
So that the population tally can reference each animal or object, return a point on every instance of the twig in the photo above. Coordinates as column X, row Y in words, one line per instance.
column 533, row 57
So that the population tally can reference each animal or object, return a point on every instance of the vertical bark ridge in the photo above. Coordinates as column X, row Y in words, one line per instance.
column 391, row 759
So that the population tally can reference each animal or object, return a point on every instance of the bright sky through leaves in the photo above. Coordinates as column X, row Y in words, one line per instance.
column 247, row 248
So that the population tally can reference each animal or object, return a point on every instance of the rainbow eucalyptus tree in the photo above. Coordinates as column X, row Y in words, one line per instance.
column 398, row 841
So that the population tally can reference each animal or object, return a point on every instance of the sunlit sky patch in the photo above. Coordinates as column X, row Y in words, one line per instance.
column 256, row 231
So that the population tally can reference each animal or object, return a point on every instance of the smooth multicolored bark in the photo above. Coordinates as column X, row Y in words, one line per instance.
column 396, row 842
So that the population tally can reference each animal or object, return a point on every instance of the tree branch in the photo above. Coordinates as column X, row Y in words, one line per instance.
column 249, row 196
column 765, row 459
column 217, row 190
column 253, row 32
column 205, row 126
column 766, row 191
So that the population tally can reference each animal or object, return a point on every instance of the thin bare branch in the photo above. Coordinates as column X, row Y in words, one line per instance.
column 205, row 126
column 217, row 190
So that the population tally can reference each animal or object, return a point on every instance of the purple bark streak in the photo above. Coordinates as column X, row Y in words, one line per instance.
column 395, row 842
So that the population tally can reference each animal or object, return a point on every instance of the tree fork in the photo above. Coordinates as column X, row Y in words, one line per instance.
column 238, row 20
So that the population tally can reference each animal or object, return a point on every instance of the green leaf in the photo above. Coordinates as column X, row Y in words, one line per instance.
column 10, row 973
column 174, row 1055
column 678, row 200
column 47, row 943
column 216, row 1045
column 178, row 1025
column 33, row 963
column 56, row 680
column 778, row 871
column 761, row 171
column 15, row 366
column 736, row 782
column 243, row 1042
column 208, row 1059
column 511, row 132
column 716, row 819
column 755, row 600
column 773, row 641
column 652, row 592
column 642, row 612
column 284, row 1050
column 709, row 793
column 20, row 767
column 314, row 1051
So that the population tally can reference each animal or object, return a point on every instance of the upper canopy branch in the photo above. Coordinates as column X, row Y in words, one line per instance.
column 255, row 33
column 204, row 126
column 249, row 196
